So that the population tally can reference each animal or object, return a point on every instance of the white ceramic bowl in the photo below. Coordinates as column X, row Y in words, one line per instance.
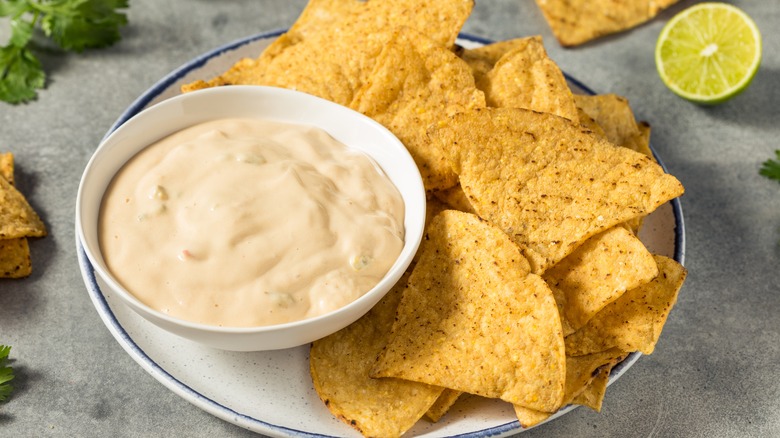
column 347, row 126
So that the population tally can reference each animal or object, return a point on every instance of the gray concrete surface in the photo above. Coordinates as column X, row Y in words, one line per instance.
column 714, row 374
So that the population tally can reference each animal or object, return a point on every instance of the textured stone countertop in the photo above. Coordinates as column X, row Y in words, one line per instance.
column 714, row 373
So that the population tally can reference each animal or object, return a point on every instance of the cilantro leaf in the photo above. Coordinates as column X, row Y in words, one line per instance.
column 81, row 24
column 771, row 168
column 6, row 373
column 74, row 25
column 20, row 74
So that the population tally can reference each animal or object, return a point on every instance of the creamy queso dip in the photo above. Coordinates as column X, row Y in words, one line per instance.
column 243, row 222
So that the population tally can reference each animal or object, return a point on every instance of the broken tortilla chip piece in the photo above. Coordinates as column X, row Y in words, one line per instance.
column 597, row 273
column 548, row 183
column 416, row 84
column 331, row 47
column 634, row 321
column 443, row 404
column 17, row 217
column 474, row 319
column 340, row 364
column 575, row 22
column 7, row 167
column 525, row 77
column 593, row 395
column 15, row 258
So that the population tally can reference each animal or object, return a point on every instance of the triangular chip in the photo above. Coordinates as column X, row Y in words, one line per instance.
column 580, row 372
column 17, row 218
column 597, row 273
column 474, row 319
column 577, row 21
column 331, row 48
column 416, row 84
column 340, row 364
column 634, row 321
column 526, row 77
column 548, row 183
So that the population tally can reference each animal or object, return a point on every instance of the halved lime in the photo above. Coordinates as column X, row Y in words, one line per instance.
column 708, row 53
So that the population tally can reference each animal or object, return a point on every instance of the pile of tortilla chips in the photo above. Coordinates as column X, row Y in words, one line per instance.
column 18, row 221
column 531, row 282
column 575, row 22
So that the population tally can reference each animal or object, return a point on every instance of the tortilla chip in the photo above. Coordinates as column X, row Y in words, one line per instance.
column 634, row 321
column 482, row 59
column 7, row 167
column 580, row 372
column 455, row 199
column 598, row 273
column 443, row 404
column 17, row 218
column 593, row 395
column 340, row 364
column 548, row 183
column 613, row 113
column 416, row 84
column 15, row 258
column 474, row 319
column 577, row 21
column 588, row 122
column 526, row 77
column 331, row 48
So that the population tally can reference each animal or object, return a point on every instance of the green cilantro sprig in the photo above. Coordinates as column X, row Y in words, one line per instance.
column 771, row 168
column 73, row 25
column 6, row 373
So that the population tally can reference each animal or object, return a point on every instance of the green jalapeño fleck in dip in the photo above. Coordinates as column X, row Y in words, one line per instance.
column 243, row 222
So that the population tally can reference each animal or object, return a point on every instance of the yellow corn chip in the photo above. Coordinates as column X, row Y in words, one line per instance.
column 526, row 77
column 443, row 404
column 594, row 393
column 455, row 198
column 332, row 46
column 577, row 21
column 340, row 364
column 17, row 218
column 7, row 167
column 580, row 373
column 474, row 319
column 482, row 59
column 548, row 183
column 416, row 84
column 15, row 258
column 613, row 113
column 634, row 321
column 598, row 273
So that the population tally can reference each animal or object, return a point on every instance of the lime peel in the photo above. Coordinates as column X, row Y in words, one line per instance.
column 708, row 53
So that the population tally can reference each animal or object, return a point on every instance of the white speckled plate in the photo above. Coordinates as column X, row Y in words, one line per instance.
column 271, row 392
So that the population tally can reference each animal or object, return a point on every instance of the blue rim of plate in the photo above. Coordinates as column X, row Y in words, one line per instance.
column 229, row 414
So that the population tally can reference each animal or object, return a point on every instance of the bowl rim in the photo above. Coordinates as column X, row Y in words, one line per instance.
column 412, row 235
